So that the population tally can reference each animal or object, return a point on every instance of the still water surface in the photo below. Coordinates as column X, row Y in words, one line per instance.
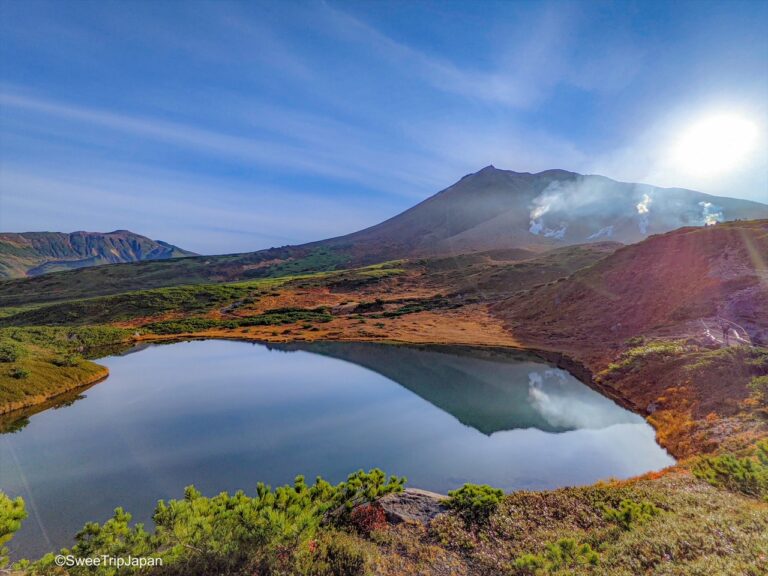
column 223, row 415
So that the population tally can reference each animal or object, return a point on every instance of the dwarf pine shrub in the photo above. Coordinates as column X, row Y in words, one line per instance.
column 630, row 513
column 564, row 554
column 746, row 475
column 475, row 503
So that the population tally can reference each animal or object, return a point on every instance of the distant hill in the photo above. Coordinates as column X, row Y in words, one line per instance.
column 35, row 253
column 490, row 210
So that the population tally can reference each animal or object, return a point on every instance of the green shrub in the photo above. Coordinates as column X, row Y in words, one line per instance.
column 279, row 316
column 10, row 351
column 566, row 553
column 746, row 475
column 19, row 373
column 12, row 513
column 635, row 341
column 268, row 533
column 475, row 502
column 275, row 317
column 758, row 386
column 423, row 305
column 643, row 351
column 67, row 360
column 187, row 325
column 529, row 565
column 630, row 513
column 104, row 309
column 81, row 339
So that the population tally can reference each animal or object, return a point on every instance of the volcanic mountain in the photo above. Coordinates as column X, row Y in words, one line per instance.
column 500, row 209
column 35, row 253
column 490, row 210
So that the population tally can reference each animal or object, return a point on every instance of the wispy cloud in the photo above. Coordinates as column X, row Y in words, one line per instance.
column 526, row 69
column 235, row 147
column 289, row 140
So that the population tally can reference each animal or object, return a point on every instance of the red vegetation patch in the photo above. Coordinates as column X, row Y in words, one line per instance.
column 368, row 517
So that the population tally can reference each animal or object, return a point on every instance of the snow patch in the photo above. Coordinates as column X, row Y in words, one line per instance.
column 606, row 232
column 559, row 233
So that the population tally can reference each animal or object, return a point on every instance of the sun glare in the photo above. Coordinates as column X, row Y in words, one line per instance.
column 715, row 144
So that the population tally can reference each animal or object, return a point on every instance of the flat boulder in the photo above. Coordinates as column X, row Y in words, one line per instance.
column 413, row 506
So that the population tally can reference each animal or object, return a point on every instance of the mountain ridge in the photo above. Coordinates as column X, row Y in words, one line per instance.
column 24, row 254
column 488, row 210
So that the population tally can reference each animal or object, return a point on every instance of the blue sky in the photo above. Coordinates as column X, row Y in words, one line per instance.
column 234, row 126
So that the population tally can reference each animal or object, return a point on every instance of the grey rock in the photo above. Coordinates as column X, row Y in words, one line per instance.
column 414, row 506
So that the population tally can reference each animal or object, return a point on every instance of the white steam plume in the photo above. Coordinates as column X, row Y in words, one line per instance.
column 643, row 208
column 711, row 214
column 555, row 194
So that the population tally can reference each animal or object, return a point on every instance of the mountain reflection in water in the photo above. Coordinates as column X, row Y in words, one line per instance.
column 488, row 390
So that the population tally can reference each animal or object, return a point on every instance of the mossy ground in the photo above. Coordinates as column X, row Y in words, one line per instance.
column 44, row 379
column 49, row 361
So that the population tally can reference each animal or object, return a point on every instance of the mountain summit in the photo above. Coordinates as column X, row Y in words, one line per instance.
column 500, row 209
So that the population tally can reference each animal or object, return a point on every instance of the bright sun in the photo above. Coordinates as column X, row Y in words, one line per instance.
column 715, row 144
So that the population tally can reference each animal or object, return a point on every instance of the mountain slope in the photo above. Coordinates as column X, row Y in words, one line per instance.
column 668, row 284
column 486, row 211
column 500, row 209
column 35, row 253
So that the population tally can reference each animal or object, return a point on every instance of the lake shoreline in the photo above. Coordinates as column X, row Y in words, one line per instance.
column 220, row 413
column 9, row 409
column 560, row 359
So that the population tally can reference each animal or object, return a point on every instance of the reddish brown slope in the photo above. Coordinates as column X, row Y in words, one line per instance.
column 665, row 289
column 664, row 284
